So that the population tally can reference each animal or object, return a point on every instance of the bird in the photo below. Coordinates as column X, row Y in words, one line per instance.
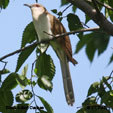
column 46, row 23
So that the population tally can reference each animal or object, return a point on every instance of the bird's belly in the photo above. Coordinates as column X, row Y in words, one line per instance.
column 43, row 25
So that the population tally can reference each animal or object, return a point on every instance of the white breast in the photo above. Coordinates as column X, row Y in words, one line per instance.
column 42, row 23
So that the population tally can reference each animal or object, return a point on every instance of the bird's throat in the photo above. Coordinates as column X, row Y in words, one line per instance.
column 42, row 24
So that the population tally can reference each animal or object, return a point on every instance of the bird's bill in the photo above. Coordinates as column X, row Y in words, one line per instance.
column 27, row 5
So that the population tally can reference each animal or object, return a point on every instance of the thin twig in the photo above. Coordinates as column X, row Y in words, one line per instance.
column 32, row 85
column 85, row 25
column 64, row 11
column 111, row 73
column 18, row 51
column 105, row 5
column 66, row 8
column 48, row 40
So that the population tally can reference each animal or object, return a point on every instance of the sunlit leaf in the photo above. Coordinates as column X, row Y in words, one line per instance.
column 24, row 71
column 23, row 96
column 22, row 81
column 89, row 101
column 45, row 83
column 93, row 88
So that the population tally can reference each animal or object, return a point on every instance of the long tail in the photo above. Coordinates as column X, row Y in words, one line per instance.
column 68, row 88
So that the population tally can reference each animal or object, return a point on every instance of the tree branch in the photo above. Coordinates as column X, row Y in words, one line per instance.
column 46, row 41
column 93, row 14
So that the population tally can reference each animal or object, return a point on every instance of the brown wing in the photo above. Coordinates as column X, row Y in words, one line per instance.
column 58, row 28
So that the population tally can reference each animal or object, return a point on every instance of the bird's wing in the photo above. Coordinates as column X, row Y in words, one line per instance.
column 58, row 28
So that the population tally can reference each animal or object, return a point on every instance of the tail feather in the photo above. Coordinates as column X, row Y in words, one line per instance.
column 68, row 88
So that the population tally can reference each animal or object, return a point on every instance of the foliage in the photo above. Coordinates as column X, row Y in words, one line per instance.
column 4, row 4
column 99, row 40
column 100, row 94
column 99, row 97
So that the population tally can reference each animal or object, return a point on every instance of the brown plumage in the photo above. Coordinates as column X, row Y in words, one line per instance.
column 44, row 21
column 64, row 42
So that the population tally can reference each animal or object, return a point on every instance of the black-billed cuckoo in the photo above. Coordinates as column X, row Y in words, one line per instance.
column 45, row 22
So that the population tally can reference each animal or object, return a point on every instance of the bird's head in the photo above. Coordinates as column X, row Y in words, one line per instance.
column 36, row 9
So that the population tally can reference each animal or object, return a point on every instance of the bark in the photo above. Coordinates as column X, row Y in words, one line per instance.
column 98, row 18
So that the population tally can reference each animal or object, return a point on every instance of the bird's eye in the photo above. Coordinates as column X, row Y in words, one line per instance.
column 36, row 5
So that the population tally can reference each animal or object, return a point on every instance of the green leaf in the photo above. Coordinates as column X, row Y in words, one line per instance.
column 87, row 19
column 54, row 11
column 110, row 3
column 101, row 90
column 105, row 80
column 94, row 41
column 80, row 110
column 23, row 56
column 74, row 8
column 6, row 99
column 101, row 41
column 23, row 96
column 83, row 41
column 29, row 35
column 45, row 70
column 59, row 13
column 106, row 13
column 46, row 105
column 111, row 59
column 45, row 83
column 89, row 101
column 4, row 3
column 73, row 22
column 42, row 111
column 45, row 66
column 5, row 71
column 21, row 80
column 90, row 50
column 64, row 2
column 10, row 82
column 110, row 12
column 24, row 71
column 107, row 99
column 93, row 88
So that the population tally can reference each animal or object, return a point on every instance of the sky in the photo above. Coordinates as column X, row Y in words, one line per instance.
column 14, row 19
